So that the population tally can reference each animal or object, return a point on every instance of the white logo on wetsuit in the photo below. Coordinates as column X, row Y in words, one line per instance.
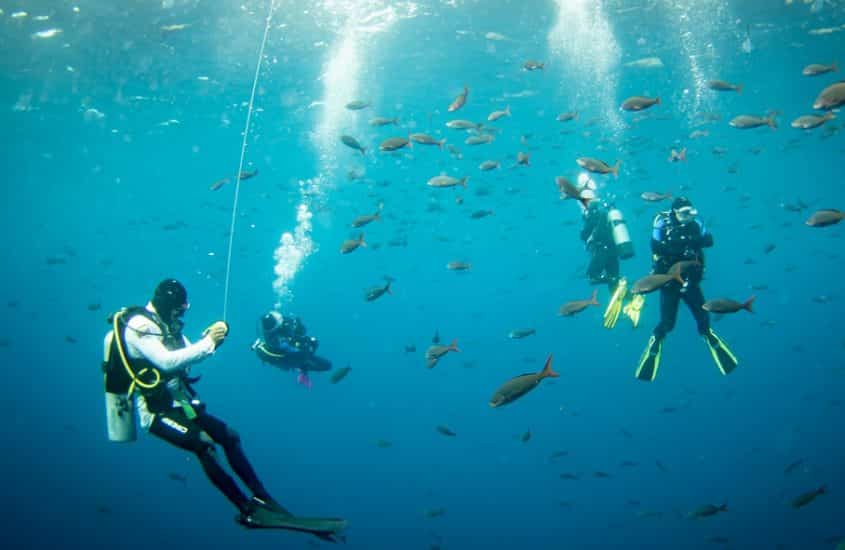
column 175, row 425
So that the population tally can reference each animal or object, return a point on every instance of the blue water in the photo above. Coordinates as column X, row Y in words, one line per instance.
column 101, row 205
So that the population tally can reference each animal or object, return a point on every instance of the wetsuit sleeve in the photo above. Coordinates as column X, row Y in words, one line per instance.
column 143, row 340
column 589, row 225
column 705, row 239
column 287, row 347
column 658, row 235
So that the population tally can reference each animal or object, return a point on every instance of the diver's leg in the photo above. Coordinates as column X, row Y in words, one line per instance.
column 611, row 269
column 670, row 297
column 596, row 266
column 175, row 428
column 694, row 298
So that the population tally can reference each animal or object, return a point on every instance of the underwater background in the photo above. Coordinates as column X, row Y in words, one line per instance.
column 119, row 116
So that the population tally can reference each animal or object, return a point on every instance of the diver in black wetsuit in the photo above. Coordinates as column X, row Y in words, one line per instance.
column 679, row 236
column 284, row 343
column 597, row 234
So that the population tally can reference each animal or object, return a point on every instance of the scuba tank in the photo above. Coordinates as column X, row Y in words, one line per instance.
column 621, row 238
column 120, row 404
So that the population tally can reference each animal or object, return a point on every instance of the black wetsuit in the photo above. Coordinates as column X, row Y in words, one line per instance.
column 597, row 235
column 291, row 347
column 673, row 242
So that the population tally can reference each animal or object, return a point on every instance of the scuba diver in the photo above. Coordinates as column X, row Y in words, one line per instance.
column 679, row 236
column 284, row 343
column 606, row 238
column 148, row 361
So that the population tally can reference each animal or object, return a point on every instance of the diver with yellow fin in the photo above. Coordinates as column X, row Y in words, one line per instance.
column 606, row 238
column 677, row 240
column 147, row 363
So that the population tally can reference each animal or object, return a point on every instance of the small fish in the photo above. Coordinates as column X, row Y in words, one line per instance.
column 831, row 97
column 488, row 165
column 425, row 139
column 446, row 431
column 576, row 306
column 568, row 191
column 601, row 475
column 218, row 184
column 381, row 121
column 639, row 103
column 458, row 266
column 460, row 101
column 181, row 478
column 436, row 351
column 791, row 468
column 410, row 348
column 569, row 476
column 394, row 143
column 377, row 292
column 340, row 374
column 94, row 307
column 480, row 139
column 357, row 105
column 628, row 464
column 558, row 454
column 718, row 540
column 447, row 181
column 824, row 218
column 597, row 166
column 724, row 305
column 352, row 244
column 383, row 444
column 495, row 36
column 724, row 86
column 496, row 115
column 626, row 433
column 351, row 142
column 478, row 214
column 71, row 340
column 248, row 174
column 769, row 248
column 816, row 69
column 523, row 158
column 525, row 437
column 808, row 497
column 707, row 510
column 521, row 333
column 520, row 385
column 650, row 283
column 176, row 27
column 532, row 65
column 361, row 221
column 660, row 466
column 434, row 512
column 746, row 122
column 566, row 117
column 461, row 124
column 695, row 134
column 677, row 156
column 652, row 196
column 808, row 122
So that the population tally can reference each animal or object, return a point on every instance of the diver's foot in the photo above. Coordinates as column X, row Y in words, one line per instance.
column 269, row 503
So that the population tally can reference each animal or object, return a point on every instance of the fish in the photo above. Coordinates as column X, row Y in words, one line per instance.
column 377, row 292
column 792, row 466
column 495, row 36
column 480, row 139
column 628, row 464
column 248, row 174
column 175, row 27
column 597, row 166
column 601, row 475
column 447, row 181
column 71, row 340
column 458, row 266
column 425, row 139
column 383, row 444
column 569, row 476
column 639, row 103
column 679, row 268
column 724, row 86
column 568, row 191
column 532, row 65
column 381, row 121
column 434, row 512
column 675, row 156
column 488, row 165
column 496, row 115
column 525, row 437
column 806, row 498
column 558, row 454
column 646, row 63
column 660, row 466
column 695, row 134
column 718, row 540
column 746, row 122
column 724, row 305
column 446, row 431
column 478, row 214
column 707, row 510
column 181, row 478
column 567, row 116
column 518, row 386
column 461, row 124
column 357, row 105
column 460, row 101
column 351, row 142
column 815, row 69
column 361, row 221
column 521, row 333
column 769, row 248
column 94, row 306
column 824, row 218
column 831, row 97
column 650, row 283
column 523, row 158
column 652, row 196
column 436, row 351
column 808, row 122
column 340, row 374
column 394, row 143
column 350, row 245
column 410, row 348
column 218, row 184
column 576, row 306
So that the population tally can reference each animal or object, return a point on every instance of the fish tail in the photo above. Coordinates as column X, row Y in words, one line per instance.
column 771, row 121
column 508, row 110
column 821, row 490
column 454, row 346
column 547, row 371
column 363, row 151
column 677, row 276
column 576, row 115
column 387, row 288
column 738, row 88
column 440, row 143
column 361, row 241
column 683, row 154
column 593, row 299
column 615, row 169
column 723, row 507
column 747, row 304
column 464, row 180
column 410, row 142
column 657, row 100
column 834, row 67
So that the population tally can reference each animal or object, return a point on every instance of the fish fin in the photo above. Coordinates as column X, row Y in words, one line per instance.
column 739, row 88
column 593, row 298
column 547, row 371
column 615, row 169
column 508, row 107
column 747, row 304
column 361, row 241
column 657, row 100
column 454, row 346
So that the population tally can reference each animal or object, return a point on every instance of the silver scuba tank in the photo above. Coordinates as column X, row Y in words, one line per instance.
column 120, row 409
column 621, row 237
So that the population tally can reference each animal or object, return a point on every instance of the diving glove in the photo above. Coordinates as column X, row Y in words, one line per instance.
column 217, row 331
column 611, row 314
column 634, row 308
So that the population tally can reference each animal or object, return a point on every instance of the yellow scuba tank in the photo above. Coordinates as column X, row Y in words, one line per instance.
column 621, row 237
